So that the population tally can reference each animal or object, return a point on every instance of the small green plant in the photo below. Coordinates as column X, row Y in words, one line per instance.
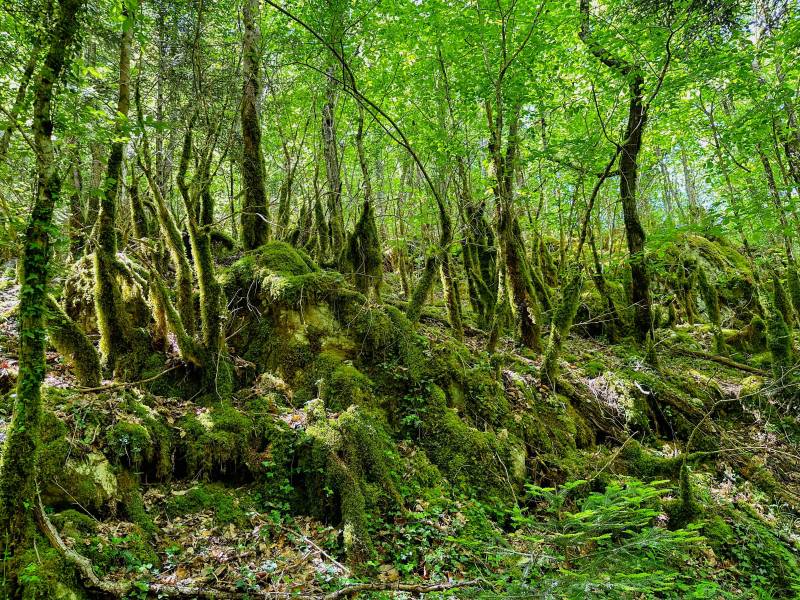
column 613, row 543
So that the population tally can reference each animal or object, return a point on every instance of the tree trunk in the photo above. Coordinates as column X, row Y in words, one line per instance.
column 111, row 318
column 255, row 212
column 332, row 168
column 17, row 470
column 634, row 232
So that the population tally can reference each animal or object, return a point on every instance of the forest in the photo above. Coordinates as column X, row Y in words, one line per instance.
column 402, row 299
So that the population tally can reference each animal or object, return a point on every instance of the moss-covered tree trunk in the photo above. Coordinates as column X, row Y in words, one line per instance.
column 73, row 345
column 711, row 300
column 330, row 148
column 199, row 204
column 77, row 237
column 255, row 212
column 111, row 318
column 364, row 247
column 170, row 232
column 17, row 471
column 561, row 324
column 629, row 174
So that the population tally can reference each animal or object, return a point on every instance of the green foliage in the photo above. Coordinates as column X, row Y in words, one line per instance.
column 614, row 544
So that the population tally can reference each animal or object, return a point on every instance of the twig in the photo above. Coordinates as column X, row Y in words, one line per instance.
column 398, row 587
column 316, row 547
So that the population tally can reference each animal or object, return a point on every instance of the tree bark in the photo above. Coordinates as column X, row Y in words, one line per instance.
column 17, row 470
column 111, row 321
column 255, row 212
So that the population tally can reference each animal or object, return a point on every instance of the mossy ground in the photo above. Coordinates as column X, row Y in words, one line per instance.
column 402, row 452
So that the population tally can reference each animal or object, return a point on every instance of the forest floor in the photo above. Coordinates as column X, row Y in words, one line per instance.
column 216, row 528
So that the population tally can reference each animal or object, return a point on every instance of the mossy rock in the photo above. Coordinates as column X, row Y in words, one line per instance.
column 88, row 482
column 349, row 462
column 641, row 462
column 347, row 386
column 216, row 442
column 42, row 574
column 470, row 457
column 130, row 443
column 228, row 505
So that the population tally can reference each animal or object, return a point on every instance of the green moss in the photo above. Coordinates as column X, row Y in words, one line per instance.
column 781, row 300
column 216, row 441
column 132, row 503
column 73, row 344
column 280, row 257
column 593, row 368
column 489, row 463
column 228, row 505
column 346, row 386
column 74, row 521
column 130, row 443
column 793, row 285
column 43, row 575
column 561, row 324
column 350, row 461
column 160, row 436
column 642, row 463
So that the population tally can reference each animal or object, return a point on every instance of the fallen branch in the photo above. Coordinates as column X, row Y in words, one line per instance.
column 125, row 384
column 397, row 587
column 721, row 360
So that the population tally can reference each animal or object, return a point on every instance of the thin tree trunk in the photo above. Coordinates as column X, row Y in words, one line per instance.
column 19, row 102
column 108, row 301
column 255, row 212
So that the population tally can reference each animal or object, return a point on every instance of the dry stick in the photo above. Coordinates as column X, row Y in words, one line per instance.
column 316, row 547
column 398, row 587
column 125, row 384
column 721, row 360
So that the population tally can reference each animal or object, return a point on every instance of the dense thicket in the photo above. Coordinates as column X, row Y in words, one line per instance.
column 392, row 267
